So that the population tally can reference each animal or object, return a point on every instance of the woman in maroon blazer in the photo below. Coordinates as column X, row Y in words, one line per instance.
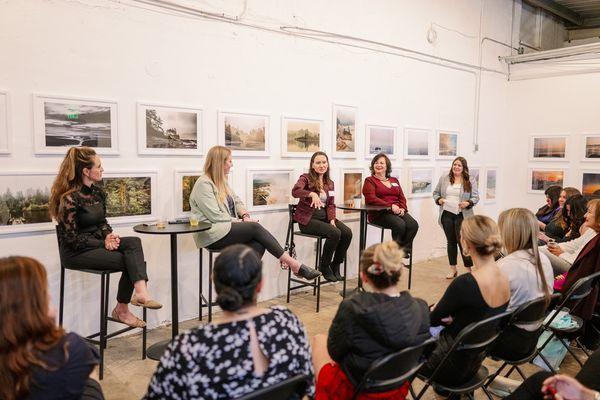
column 315, row 214
column 381, row 189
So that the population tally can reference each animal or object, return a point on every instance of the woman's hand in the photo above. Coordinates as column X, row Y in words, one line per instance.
column 567, row 388
column 395, row 209
column 316, row 201
column 247, row 218
column 441, row 201
column 556, row 250
column 112, row 241
column 332, row 222
column 463, row 204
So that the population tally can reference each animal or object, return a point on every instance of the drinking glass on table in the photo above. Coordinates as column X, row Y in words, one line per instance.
column 194, row 220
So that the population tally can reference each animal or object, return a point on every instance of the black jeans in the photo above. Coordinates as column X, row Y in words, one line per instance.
column 337, row 239
column 251, row 234
column 451, row 224
column 404, row 228
column 129, row 258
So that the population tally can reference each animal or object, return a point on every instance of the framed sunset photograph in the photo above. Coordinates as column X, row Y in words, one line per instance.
column 548, row 148
column 590, row 183
column 542, row 179
column 591, row 147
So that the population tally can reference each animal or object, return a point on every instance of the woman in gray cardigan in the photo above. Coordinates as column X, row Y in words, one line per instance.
column 455, row 194
column 213, row 201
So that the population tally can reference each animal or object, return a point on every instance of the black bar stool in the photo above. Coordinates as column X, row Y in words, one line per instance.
column 410, row 258
column 202, row 300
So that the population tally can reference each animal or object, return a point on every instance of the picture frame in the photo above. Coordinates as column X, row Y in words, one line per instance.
column 269, row 189
column 475, row 172
column 5, row 138
column 417, row 143
column 184, row 183
column 421, row 181
column 590, row 183
column 548, row 147
column 380, row 139
column 61, row 122
column 447, row 144
column 301, row 137
column 591, row 147
column 169, row 130
column 542, row 178
column 344, row 131
column 131, row 196
column 246, row 134
column 350, row 187
column 24, row 201
column 491, row 183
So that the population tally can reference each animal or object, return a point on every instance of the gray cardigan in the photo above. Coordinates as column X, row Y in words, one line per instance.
column 472, row 197
column 204, row 204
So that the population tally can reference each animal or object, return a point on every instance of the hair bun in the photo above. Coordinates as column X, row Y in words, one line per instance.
column 229, row 299
column 493, row 244
column 389, row 255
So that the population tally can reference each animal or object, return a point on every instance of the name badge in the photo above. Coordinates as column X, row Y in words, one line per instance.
column 394, row 184
column 331, row 193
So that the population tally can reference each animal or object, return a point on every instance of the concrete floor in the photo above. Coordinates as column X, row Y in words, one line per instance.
column 126, row 375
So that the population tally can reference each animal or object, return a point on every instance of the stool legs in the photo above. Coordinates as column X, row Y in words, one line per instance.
column 210, row 268
column 200, row 292
column 61, row 298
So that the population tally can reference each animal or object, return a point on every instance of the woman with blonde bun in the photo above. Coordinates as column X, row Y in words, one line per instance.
column 473, row 297
column 369, row 325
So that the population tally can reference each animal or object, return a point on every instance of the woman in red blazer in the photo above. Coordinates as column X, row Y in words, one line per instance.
column 381, row 189
column 315, row 214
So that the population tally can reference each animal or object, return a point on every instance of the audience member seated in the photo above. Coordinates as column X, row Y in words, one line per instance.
column 249, row 349
column 530, row 276
column 547, row 211
column 563, row 255
column 473, row 297
column 39, row 360
column 368, row 326
column 558, row 227
column 576, row 207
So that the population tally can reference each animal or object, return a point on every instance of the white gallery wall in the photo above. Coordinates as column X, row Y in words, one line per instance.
column 129, row 52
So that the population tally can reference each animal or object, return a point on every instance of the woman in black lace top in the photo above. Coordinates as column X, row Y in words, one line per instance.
column 85, row 238
column 249, row 348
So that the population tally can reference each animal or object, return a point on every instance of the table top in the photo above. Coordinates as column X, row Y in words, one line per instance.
column 363, row 207
column 171, row 229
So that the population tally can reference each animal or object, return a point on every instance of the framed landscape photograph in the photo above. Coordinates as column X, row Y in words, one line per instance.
column 548, row 148
column 447, row 145
column 269, row 189
column 491, row 180
column 131, row 196
column 301, row 137
column 416, row 143
column 420, row 182
column 184, row 183
column 350, row 184
column 397, row 173
column 542, row 179
column 591, row 147
column 475, row 173
column 164, row 130
column 245, row 134
column 63, row 122
column 590, row 183
column 4, row 123
column 344, row 134
column 380, row 139
column 24, row 199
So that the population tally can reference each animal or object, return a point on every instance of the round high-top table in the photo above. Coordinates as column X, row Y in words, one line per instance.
column 157, row 349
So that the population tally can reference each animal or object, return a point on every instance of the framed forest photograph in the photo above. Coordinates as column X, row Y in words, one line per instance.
column 184, row 183
column 245, row 134
column 269, row 189
column 131, row 196
column 344, row 131
column 301, row 137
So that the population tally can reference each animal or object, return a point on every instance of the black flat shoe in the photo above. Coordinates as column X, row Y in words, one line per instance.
column 336, row 272
column 308, row 273
column 328, row 274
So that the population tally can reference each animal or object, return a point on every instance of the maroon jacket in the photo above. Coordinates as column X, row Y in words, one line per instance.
column 586, row 263
column 377, row 194
column 302, row 190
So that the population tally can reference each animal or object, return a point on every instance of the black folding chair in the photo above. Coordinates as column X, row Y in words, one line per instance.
column 283, row 390
column 391, row 371
column 579, row 291
column 476, row 337
column 528, row 313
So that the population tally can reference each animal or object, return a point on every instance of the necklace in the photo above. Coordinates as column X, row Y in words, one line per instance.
column 382, row 180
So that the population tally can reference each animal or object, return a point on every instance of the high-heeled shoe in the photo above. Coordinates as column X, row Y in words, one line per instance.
column 452, row 275
column 336, row 271
column 328, row 274
column 151, row 304
column 307, row 273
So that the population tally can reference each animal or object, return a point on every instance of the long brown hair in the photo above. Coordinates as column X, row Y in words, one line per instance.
column 26, row 329
column 466, row 179
column 561, row 217
column 519, row 229
column 70, row 177
column 313, row 177
column 213, row 168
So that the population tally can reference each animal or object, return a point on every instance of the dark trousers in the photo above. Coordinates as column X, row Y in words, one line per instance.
column 451, row 224
column 251, row 234
column 337, row 239
column 129, row 258
column 404, row 228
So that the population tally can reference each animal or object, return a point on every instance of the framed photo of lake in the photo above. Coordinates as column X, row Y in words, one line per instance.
column 4, row 123
column 63, row 122
column 24, row 200
column 447, row 145
column 548, row 148
column 131, row 196
column 166, row 130
column 344, row 134
column 269, row 189
column 184, row 183
column 301, row 137
column 420, row 182
column 245, row 134
column 380, row 139
column 416, row 143
column 591, row 147
column 542, row 178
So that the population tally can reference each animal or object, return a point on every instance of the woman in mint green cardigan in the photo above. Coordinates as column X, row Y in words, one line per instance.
column 213, row 201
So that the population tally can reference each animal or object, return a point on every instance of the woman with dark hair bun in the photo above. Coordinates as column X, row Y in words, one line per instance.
column 248, row 349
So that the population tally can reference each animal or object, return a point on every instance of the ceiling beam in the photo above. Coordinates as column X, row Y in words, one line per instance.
column 557, row 9
column 578, row 34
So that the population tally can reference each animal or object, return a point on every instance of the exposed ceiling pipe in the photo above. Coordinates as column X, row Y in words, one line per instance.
column 592, row 48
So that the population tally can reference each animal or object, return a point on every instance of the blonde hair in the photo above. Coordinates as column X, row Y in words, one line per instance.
column 382, row 263
column 70, row 177
column 482, row 233
column 519, row 229
column 213, row 168
column 596, row 204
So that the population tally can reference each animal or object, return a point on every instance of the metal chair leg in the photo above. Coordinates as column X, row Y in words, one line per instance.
column 102, row 317
column 200, row 291
column 410, row 261
column 144, row 332
column 210, row 268
column 61, row 300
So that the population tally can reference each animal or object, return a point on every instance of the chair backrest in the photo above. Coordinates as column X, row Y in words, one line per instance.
column 280, row 391
column 533, row 311
column 392, row 370
column 582, row 288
